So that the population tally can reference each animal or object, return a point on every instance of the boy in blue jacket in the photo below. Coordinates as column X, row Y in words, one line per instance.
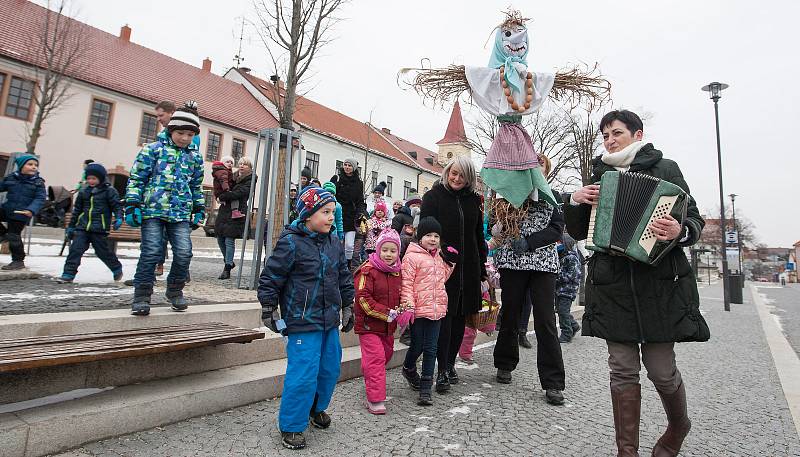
column 165, row 194
column 26, row 196
column 306, row 278
column 97, row 208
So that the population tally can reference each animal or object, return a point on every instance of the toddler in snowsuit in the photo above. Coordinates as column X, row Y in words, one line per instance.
column 569, row 279
column 306, row 282
column 338, row 227
column 222, row 172
column 378, row 284
column 26, row 196
column 425, row 270
column 376, row 224
column 165, row 194
column 97, row 208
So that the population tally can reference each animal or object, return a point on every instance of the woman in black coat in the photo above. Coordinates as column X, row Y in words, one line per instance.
column 454, row 203
column 226, row 229
column 639, row 309
column 350, row 194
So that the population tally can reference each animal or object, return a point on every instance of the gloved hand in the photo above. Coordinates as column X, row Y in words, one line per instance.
column 69, row 232
column 270, row 317
column 393, row 313
column 520, row 246
column 347, row 319
column 117, row 223
column 198, row 216
column 133, row 215
column 449, row 254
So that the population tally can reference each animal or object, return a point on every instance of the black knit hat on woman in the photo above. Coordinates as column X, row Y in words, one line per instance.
column 185, row 118
column 428, row 224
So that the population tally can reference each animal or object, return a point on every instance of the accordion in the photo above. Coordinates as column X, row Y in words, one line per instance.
column 628, row 204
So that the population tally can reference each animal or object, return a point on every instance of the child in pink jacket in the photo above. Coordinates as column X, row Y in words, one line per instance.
column 425, row 270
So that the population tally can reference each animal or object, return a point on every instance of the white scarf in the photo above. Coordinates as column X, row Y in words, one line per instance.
column 621, row 160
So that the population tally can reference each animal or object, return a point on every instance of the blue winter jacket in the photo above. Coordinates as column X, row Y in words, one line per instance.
column 25, row 192
column 569, row 279
column 307, row 276
column 96, row 208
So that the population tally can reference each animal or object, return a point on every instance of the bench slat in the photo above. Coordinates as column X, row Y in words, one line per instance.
column 44, row 351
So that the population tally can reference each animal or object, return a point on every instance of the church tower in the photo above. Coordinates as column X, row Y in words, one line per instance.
column 454, row 142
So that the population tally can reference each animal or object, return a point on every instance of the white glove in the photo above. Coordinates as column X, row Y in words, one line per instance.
column 392, row 315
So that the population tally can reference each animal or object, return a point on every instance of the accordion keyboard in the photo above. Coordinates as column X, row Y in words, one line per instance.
column 590, row 234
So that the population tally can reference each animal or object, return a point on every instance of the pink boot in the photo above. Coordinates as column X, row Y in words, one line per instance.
column 236, row 214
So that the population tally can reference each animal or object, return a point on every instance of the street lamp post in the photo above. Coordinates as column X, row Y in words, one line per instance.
column 738, row 235
column 714, row 90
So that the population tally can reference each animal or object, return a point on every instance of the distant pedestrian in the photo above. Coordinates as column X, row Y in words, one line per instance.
column 375, row 225
column 378, row 195
column 350, row 193
column 173, row 162
column 227, row 227
column 25, row 196
column 304, row 286
column 97, row 209
column 377, row 306
column 426, row 268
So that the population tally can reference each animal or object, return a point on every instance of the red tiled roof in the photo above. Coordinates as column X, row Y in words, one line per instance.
column 319, row 118
column 455, row 128
column 408, row 148
column 128, row 68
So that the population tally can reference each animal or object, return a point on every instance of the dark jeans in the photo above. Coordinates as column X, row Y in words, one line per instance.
column 450, row 335
column 227, row 246
column 12, row 230
column 565, row 319
column 152, row 248
column 164, row 240
column 424, row 335
column 515, row 284
column 80, row 243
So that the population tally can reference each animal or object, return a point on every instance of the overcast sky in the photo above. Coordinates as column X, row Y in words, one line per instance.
column 657, row 55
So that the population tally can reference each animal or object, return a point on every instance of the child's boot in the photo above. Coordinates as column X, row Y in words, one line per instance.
column 236, row 214
column 175, row 296
column 412, row 377
column 292, row 440
column 65, row 278
column 425, row 384
column 376, row 408
column 141, row 300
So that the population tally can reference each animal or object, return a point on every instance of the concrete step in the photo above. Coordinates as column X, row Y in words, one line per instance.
column 56, row 427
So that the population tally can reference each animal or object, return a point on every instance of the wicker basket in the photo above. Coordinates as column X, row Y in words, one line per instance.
column 485, row 317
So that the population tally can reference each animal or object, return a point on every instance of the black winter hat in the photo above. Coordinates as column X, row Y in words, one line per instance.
column 381, row 187
column 428, row 224
column 401, row 218
column 306, row 172
column 96, row 170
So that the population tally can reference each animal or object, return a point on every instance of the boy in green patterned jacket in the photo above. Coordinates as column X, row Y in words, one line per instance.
column 165, row 194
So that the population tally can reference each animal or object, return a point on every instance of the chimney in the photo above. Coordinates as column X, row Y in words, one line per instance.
column 244, row 69
column 125, row 33
column 386, row 130
column 207, row 65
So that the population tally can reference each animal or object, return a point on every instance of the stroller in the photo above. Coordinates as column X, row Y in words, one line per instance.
column 55, row 209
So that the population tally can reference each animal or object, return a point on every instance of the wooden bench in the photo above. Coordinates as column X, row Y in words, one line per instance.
column 48, row 351
column 125, row 233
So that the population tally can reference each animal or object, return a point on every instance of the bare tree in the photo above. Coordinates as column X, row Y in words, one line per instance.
column 293, row 33
column 584, row 129
column 58, row 50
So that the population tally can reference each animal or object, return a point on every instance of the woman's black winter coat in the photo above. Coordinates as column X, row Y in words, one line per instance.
column 632, row 302
column 224, row 226
column 461, row 217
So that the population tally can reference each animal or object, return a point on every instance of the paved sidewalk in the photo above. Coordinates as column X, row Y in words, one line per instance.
column 736, row 404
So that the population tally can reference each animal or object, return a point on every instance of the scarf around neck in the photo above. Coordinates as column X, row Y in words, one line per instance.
column 622, row 160
column 376, row 261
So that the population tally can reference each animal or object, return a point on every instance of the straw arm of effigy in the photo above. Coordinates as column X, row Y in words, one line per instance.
column 573, row 84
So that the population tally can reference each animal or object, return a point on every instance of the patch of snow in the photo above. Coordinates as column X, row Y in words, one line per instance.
column 557, row 427
column 476, row 397
column 451, row 447
column 459, row 410
column 51, row 399
column 487, row 385
column 463, row 366
column 423, row 429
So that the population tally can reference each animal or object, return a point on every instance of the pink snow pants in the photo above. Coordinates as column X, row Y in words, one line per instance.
column 376, row 351
column 465, row 351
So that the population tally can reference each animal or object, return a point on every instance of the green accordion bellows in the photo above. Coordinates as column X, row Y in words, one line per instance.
column 628, row 203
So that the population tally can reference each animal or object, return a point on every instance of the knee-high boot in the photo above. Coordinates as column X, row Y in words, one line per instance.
column 627, row 404
column 678, row 424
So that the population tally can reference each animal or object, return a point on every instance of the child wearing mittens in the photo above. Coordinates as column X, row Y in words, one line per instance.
column 426, row 268
column 378, row 283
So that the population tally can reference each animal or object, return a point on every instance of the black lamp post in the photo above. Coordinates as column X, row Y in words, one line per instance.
column 714, row 90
